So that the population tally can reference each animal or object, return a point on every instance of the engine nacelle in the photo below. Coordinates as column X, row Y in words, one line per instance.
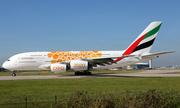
column 58, row 67
column 78, row 65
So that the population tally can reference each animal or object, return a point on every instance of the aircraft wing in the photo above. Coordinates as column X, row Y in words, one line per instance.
column 108, row 60
column 156, row 54
column 104, row 60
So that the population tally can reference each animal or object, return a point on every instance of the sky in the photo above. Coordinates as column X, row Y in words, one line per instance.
column 77, row 25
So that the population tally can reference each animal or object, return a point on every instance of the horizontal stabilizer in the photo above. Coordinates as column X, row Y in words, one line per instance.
column 157, row 54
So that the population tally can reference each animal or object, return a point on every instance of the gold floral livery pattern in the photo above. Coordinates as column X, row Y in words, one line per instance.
column 60, row 56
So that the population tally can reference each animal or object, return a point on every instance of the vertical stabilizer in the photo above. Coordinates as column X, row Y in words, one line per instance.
column 143, row 43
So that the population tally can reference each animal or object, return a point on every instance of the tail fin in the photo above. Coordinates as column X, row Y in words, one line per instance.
column 143, row 43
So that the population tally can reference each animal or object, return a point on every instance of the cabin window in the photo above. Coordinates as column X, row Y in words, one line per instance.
column 27, row 61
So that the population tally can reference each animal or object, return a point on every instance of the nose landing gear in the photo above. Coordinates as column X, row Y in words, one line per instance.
column 14, row 74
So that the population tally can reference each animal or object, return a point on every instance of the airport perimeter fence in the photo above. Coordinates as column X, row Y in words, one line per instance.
column 31, row 100
column 111, row 99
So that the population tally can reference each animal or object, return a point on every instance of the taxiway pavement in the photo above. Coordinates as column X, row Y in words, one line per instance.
column 145, row 73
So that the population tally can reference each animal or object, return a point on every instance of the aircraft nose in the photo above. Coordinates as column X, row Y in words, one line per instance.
column 4, row 66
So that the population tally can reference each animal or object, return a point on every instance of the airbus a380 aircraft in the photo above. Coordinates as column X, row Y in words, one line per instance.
column 84, row 61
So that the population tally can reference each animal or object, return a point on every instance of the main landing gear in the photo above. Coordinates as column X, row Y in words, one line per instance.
column 83, row 73
column 14, row 74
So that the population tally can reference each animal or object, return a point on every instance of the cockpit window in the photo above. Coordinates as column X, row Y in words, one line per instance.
column 8, row 60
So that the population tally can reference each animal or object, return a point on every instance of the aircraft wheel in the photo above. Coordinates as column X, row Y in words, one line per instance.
column 85, row 73
column 89, row 73
column 76, row 73
column 81, row 73
column 14, row 74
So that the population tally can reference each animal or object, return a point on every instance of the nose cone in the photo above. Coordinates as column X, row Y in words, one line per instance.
column 5, row 66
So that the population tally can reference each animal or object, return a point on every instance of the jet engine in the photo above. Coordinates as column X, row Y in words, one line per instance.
column 75, row 65
column 58, row 67
column 79, row 65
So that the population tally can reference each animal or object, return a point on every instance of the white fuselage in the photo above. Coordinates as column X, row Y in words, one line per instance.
column 38, row 60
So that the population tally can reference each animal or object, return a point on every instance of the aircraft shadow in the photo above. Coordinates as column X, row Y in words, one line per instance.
column 100, row 76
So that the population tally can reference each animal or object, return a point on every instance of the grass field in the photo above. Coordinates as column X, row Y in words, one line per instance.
column 123, row 87
column 87, row 84
column 92, row 92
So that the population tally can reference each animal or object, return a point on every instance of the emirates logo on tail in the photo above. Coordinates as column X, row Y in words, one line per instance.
column 144, row 41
